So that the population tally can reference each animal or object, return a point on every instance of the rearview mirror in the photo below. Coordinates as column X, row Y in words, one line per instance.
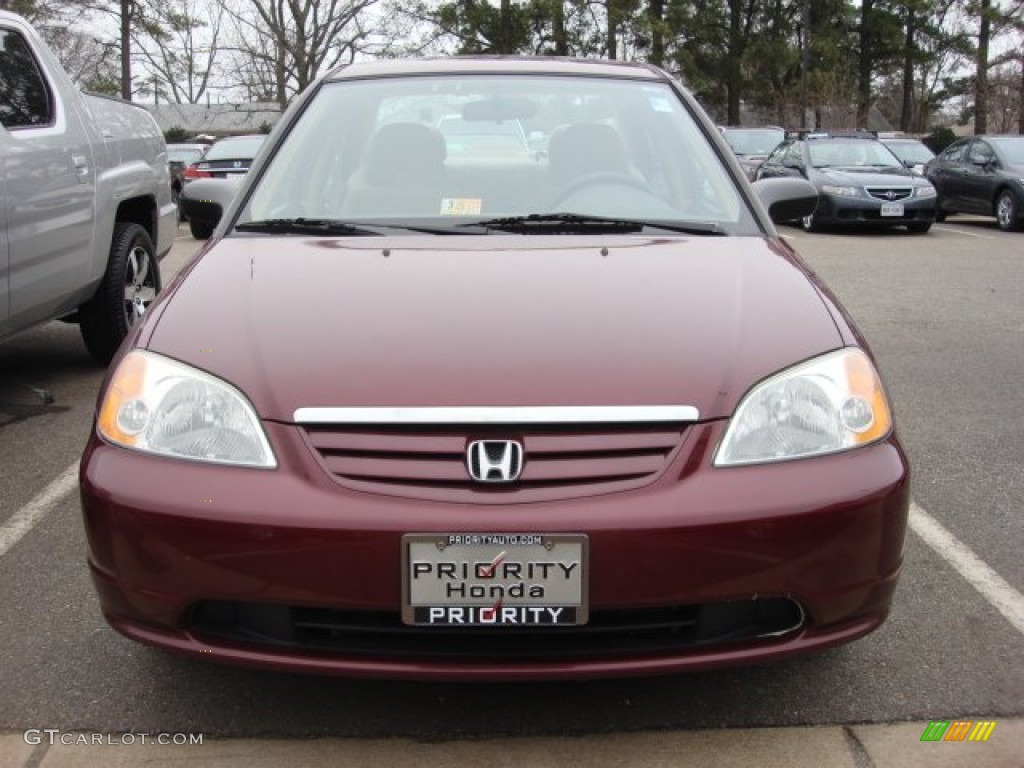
column 205, row 200
column 499, row 109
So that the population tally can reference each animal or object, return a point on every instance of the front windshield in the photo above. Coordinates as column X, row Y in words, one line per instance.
column 1011, row 149
column 183, row 155
column 759, row 142
column 911, row 151
column 230, row 149
column 449, row 149
column 851, row 154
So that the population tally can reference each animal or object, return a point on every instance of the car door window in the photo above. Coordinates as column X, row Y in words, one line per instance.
column 981, row 153
column 954, row 153
column 775, row 158
column 794, row 156
column 25, row 100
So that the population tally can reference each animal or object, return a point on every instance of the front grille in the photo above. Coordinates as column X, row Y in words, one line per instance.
column 609, row 634
column 890, row 194
column 559, row 460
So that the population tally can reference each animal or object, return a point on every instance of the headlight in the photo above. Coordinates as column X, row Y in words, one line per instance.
column 829, row 404
column 829, row 189
column 157, row 405
column 926, row 191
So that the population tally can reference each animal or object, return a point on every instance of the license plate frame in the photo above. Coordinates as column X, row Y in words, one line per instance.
column 449, row 579
column 892, row 209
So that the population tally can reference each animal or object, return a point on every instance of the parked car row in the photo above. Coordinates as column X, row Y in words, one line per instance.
column 861, row 178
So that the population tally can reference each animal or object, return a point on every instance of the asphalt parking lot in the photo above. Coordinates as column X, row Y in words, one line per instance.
column 945, row 317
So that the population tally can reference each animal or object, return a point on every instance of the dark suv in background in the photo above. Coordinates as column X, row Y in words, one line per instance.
column 859, row 181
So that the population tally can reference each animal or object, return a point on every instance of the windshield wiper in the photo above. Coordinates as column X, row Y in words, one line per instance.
column 577, row 222
column 338, row 227
column 305, row 227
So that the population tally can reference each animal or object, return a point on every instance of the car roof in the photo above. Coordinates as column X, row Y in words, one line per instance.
column 453, row 65
column 856, row 135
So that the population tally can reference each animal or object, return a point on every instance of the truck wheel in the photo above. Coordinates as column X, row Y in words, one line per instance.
column 129, row 286
column 200, row 230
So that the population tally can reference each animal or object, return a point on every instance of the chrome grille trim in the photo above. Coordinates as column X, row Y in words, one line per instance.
column 556, row 414
column 429, row 461
column 881, row 193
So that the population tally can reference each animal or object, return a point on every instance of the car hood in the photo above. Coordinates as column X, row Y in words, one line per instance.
column 867, row 177
column 493, row 320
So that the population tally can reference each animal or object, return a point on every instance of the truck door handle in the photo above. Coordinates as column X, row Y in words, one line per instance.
column 81, row 163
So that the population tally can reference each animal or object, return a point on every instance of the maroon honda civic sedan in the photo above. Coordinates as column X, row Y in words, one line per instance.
column 495, row 369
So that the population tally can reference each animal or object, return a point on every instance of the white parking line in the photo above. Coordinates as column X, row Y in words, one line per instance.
column 965, row 233
column 1000, row 595
column 26, row 518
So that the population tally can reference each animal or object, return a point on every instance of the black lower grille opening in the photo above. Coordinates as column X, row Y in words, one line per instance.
column 609, row 634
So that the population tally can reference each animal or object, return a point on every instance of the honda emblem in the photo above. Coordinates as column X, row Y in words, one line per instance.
column 495, row 461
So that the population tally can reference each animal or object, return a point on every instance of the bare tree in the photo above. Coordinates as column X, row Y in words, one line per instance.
column 283, row 45
column 179, row 45
column 123, row 12
column 91, row 62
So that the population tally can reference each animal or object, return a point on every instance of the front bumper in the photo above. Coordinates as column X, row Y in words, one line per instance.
column 167, row 539
column 842, row 210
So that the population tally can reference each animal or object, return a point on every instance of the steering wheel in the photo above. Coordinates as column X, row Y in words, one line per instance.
column 611, row 178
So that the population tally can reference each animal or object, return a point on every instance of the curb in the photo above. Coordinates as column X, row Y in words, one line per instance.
column 892, row 745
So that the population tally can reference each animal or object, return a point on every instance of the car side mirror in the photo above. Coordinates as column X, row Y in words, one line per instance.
column 787, row 199
column 205, row 200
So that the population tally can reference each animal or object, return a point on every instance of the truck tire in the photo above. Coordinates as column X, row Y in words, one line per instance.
column 200, row 229
column 129, row 286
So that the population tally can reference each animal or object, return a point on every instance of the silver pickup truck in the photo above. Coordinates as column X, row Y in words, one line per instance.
column 85, row 199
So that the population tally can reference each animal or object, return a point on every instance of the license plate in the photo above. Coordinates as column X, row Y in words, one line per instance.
column 494, row 579
column 892, row 209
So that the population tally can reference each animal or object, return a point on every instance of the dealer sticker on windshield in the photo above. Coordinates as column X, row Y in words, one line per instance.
column 494, row 579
